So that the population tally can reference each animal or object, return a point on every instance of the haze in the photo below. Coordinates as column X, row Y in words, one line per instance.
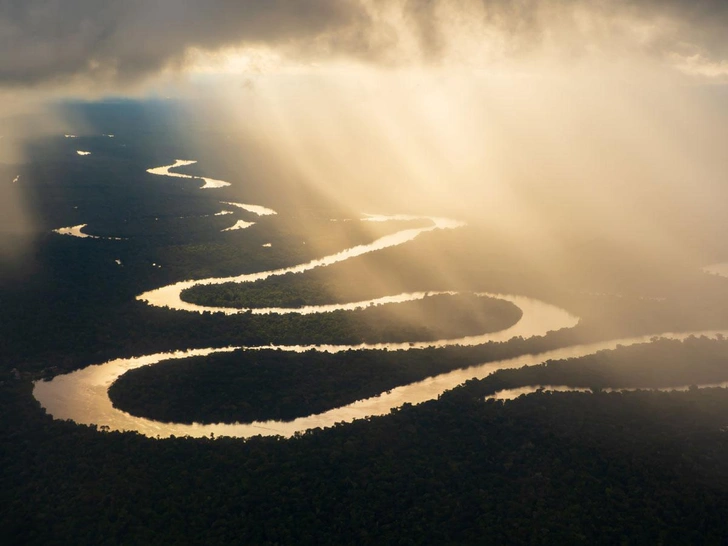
column 534, row 118
column 370, row 271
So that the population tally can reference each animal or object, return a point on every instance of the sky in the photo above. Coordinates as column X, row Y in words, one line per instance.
column 536, row 117
column 75, row 44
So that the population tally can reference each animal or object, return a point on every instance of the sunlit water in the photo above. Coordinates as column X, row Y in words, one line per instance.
column 170, row 296
column 75, row 231
column 255, row 209
column 165, row 171
column 512, row 394
column 240, row 224
column 82, row 396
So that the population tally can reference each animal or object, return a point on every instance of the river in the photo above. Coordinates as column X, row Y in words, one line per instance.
column 82, row 395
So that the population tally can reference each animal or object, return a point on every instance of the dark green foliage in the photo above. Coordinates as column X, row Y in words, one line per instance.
column 290, row 290
column 545, row 469
column 661, row 363
column 635, row 468
column 259, row 385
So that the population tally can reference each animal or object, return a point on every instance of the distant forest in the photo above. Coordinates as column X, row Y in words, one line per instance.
column 571, row 468
column 542, row 469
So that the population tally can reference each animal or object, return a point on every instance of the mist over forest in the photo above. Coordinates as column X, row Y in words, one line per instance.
column 363, row 272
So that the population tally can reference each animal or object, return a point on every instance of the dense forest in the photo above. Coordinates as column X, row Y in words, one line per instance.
column 544, row 469
column 570, row 468
column 259, row 385
column 660, row 363
column 289, row 290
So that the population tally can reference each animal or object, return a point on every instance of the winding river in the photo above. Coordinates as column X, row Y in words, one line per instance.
column 82, row 395
column 165, row 171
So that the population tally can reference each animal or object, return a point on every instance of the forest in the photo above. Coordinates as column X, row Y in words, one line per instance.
column 592, row 467
column 638, row 467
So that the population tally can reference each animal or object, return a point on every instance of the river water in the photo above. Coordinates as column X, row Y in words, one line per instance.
column 75, row 231
column 512, row 394
column 165, row 171
column 82, row 396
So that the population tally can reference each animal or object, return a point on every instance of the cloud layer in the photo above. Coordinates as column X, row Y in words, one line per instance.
column 45, row 40
column 52, row 41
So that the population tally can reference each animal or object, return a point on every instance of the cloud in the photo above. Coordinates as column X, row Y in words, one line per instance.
column 491, row 31
column 62, row 41
column 696, row 65
column 54, row 40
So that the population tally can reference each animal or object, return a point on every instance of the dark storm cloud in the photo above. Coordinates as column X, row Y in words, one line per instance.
column 52, row 40
column 572, row 27
column 48, row 39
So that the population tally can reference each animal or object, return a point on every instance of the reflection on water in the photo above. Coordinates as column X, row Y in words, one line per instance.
column 75, row 231
column 440, row 223
column 170, row 296
column 512, row 394
column 83, row 395
column 240, row 224
column 255, row 209
column 351, row 306
column 165, row 171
